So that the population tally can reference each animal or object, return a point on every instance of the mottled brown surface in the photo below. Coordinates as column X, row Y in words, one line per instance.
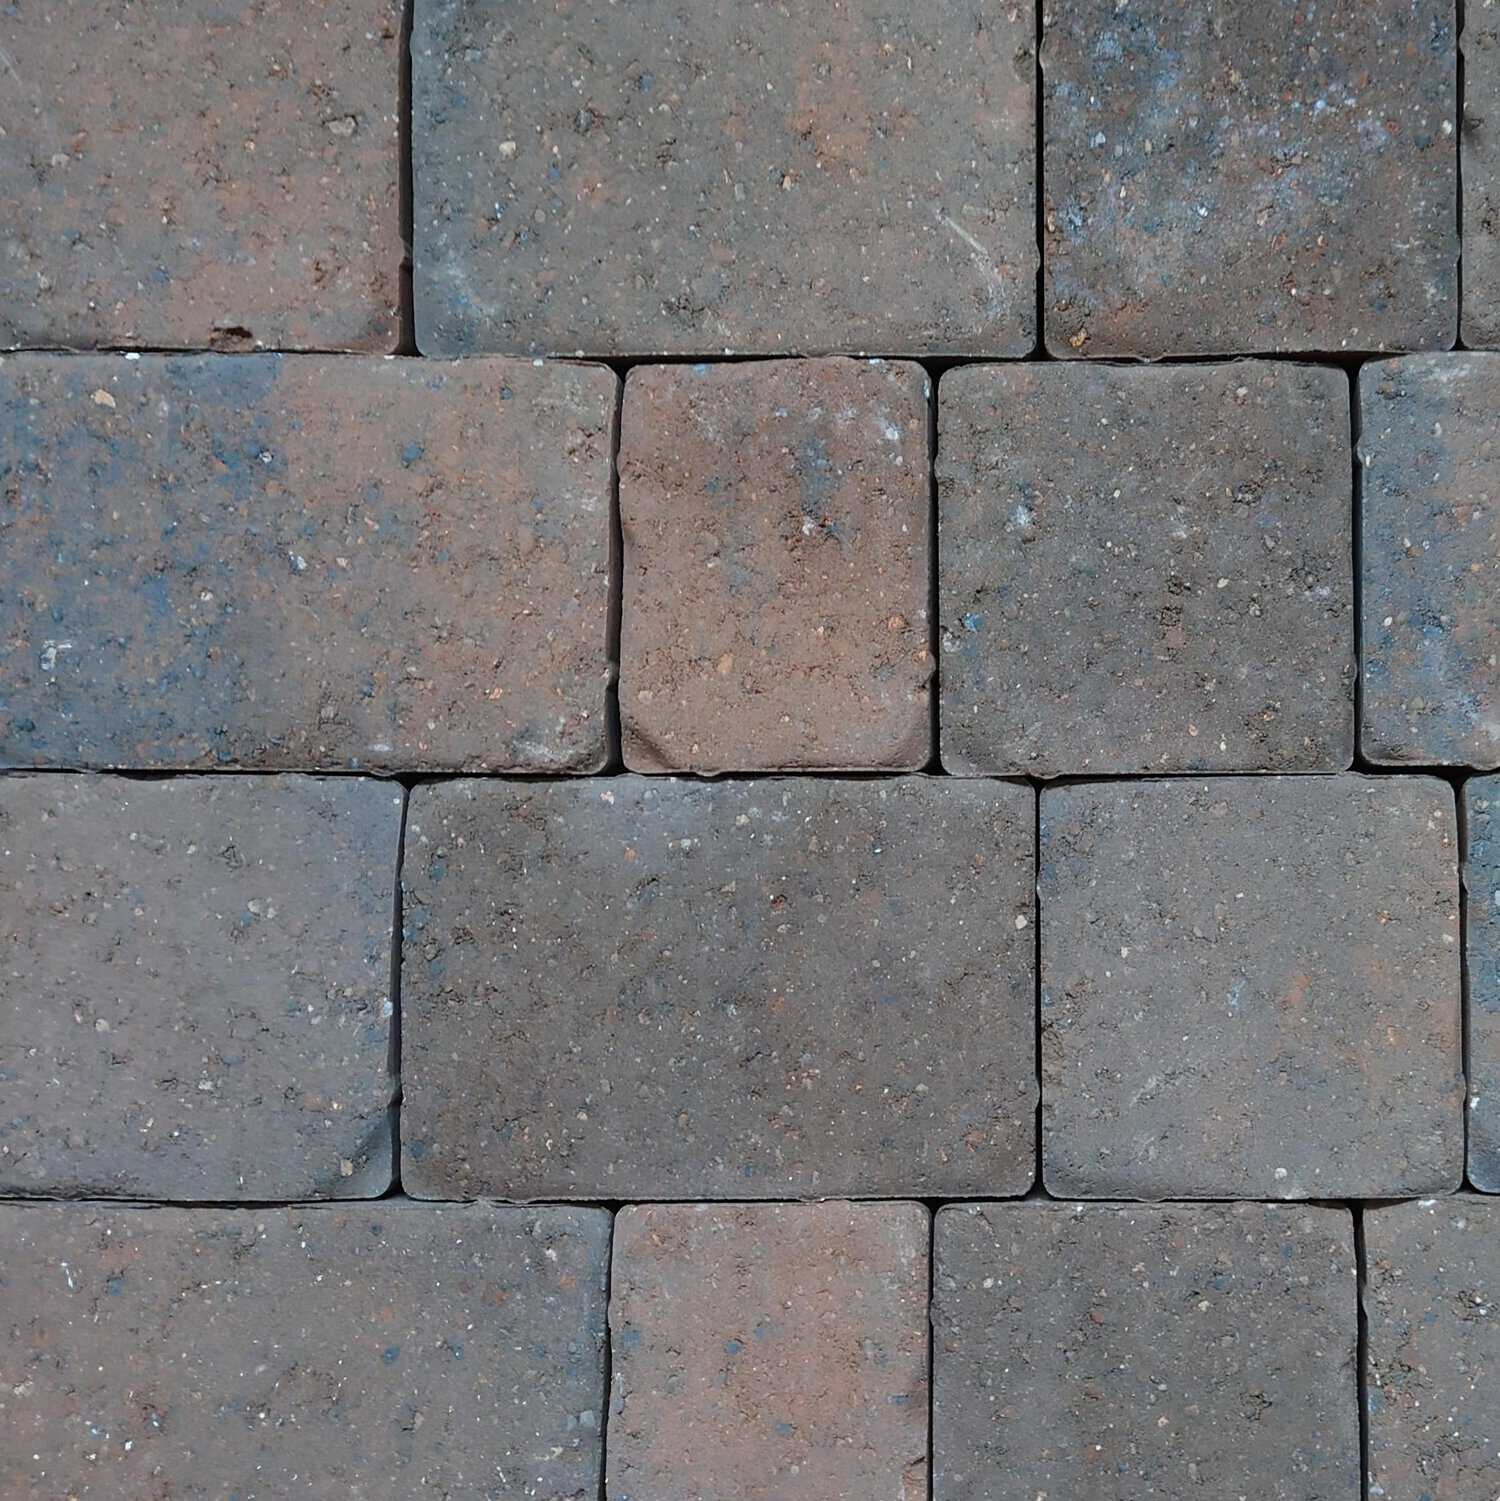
column 776, row 567
column 1481, row 175
column 1481, row 825
column 770, row 1352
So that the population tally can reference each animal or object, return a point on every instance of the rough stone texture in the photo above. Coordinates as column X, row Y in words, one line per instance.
column 1171, row 1352
column 1224, row 178
column 383, row 1351
column 304, row 563
column 1431, row 560
column 776, row 567
column 782, row 988
column 195, row 986
column 659, row 178
column 1145, row 569
column 201, row 174
column 1481, row 820
column 1251, row 988
column 1481, row 175
column 773, row 1352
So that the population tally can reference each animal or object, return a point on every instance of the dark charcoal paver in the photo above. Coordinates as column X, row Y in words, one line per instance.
column 386, row 1350
column 1481, row 805
column 1481, row 176
column 656, row 178
column 1432, row 1281
column 201, row 174
column 772, row 1350
column 779, row 988
column 1145, row 569
column 1250, row 988
column 304, row 563
column 1167, row 1351
column 1431, row 560
column 776, row 567
column 1225, row 178
column 195, row 986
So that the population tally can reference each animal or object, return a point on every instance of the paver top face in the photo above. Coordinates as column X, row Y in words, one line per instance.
column 1481, row 825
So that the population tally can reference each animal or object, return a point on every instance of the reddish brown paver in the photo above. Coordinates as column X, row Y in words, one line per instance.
column 201, row 175
column 1481, row 825
column 1226, row 179
column 776, row 567
column 1251, row 988
column 1145, row 569
column 769, row 1352
column 1480, row 151
column 386, row 1350
column 284, row 562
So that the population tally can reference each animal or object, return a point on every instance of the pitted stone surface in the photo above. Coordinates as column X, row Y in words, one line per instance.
column 1145, row 569
column 780, row 988
column 1251, row 988
column 304, row 563
column 1481, row 176
column 1481, row 804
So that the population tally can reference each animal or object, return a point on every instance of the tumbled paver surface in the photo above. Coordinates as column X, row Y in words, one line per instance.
column 656, row 178
column 769, row 1351
column 201, row 175
column 780, row 988
column 1145, row 569
column 195, row 986
column 1226, row 178
column 1431, row 560
column 1481, row 176
column 382, row 1350
column 1481, row 804
column 304, row 563
column 776, row 567
column 1167, row 1351
column 1251, row 988
column 1432, row 1281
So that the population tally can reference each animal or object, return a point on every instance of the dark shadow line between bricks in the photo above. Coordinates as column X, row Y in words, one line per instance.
column 615, row 605
column 398, row 946
column 405, row 191
column 931, row 1327
column 1361, row 1348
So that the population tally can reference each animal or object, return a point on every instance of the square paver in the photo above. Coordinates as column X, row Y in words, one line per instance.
column 1145, row 569
column 1167, row 1351
column 1431, row 561
column 777, row 565
column 201, row 175
column 1226, row 178
column 1251, row 988
column 1481, row 822
column 657, row 178
column 383, row 1350
column 769, row 1350
column 1481, row 176
column 772, row 989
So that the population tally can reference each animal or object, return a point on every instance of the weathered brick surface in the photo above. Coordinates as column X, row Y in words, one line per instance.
column 1481, row 807
column 1250, row 988
column 1128, row 1351
column 304, row 563
column 783, row 988
column 769, row 1351
column 195, row 986
column 384, row 1350
column 1228, row 178
column 1431, row 560
column 201, row 175
column 1481, row 176
column 1432, row 1281
column 656, row 178
column 1145, row 569
column 776, row 567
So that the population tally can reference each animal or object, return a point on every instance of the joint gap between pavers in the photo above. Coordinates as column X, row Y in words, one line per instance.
column 1361, row 1349
column 1461, row 85
column 615, row 607
column 1038, row 1181
column 606, row 1359
column 1465, row 1000
column 932, row 1215
column 397, row 951
column 1040, row 352
column 1357, row 556
column 86, row 1199
column 934, row 765
column 407, row 317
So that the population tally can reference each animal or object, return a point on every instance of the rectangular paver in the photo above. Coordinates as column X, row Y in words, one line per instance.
column 385, row 1350
column 781, row 988
column 1145, row 569
column 771, row 1350
column 304, row 563
column 1481, row 176
column 1481, row 822
column 1167, row 1351
column 1251, row 988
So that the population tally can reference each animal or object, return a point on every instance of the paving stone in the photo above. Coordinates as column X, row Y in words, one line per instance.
column 202, row 175
column 1226, row 178
column 304, row 563
column 769, row 1350
column 769, row 989
column 1128, row 1351
column 777, row 567
column 1431, row 561
column 382, row 1350
column 1481, row 176
column 1481, row 820
column 1145, row 569
column 656, row 178
column 195, row 987
column 1251, row 988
